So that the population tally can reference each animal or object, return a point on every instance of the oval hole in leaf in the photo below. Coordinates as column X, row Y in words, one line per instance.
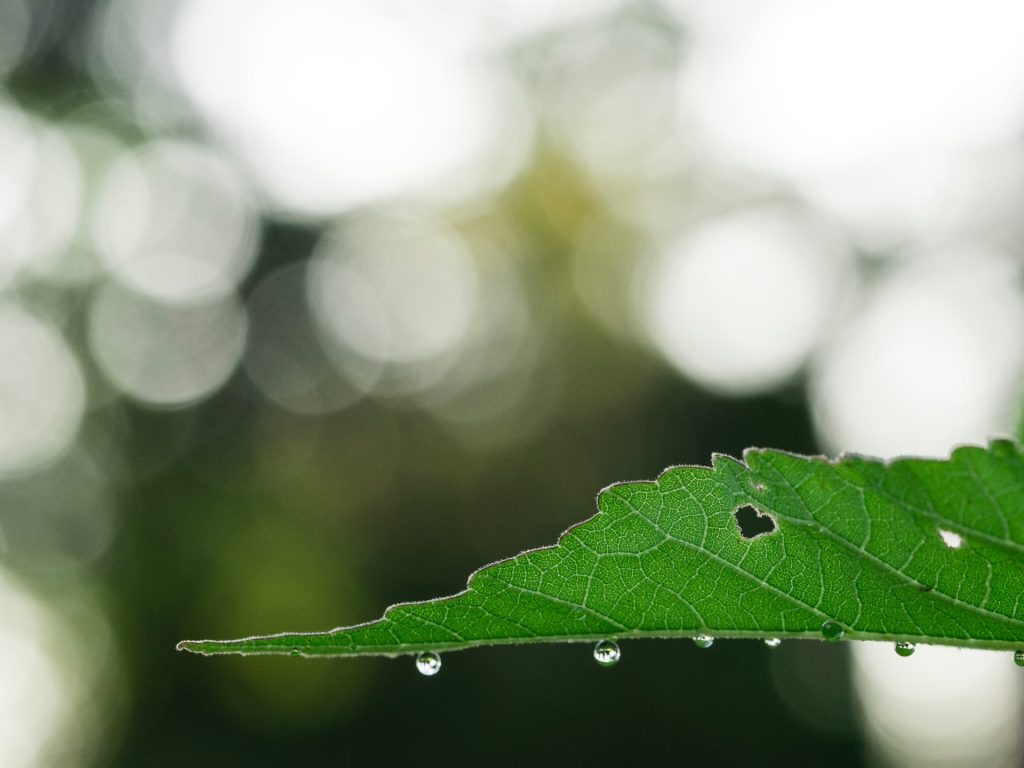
column 753, row 523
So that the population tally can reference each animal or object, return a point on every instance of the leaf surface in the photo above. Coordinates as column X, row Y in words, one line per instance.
column 913, row 550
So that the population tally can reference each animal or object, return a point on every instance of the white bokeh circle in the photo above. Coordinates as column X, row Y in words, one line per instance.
column 803, row 86
column 396, row 289
column 40, row 195
column 358, row 102
column 739, row 301
column 42, row 392
column 165, row 355
column 932, row 359
column 172, row 222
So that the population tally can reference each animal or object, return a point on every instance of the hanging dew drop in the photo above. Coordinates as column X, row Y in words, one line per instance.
column 905, row 649
column 1018, row 658
column 703, row 641
column 607, row 653
column 428, row 663
column 772, row 642
column 295, row 652
column 832, row 631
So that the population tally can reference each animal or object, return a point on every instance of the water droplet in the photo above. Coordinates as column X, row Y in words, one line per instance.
column 1018, row 658
column 607, row 653
column 905, row 649
column 703, row 641
column 428, row 663
column 295, row 652
column 832, row 631
column 772, row 642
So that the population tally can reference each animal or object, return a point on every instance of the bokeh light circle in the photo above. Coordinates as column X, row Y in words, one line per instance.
column 948, row 708
column 172, row 222
column 738, row 302
column 881, row 84
column 596, row 77
column 887, row 131
column 40, row 195
column 932, row 359
column 396, row 289
column 162, row 354
column 358, row 102
column 35, row 697
column 42, row 392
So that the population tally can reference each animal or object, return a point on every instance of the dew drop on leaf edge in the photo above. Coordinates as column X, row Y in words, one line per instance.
column 1018, row 658
column 428, row 663
column 905, row 649
column 607, row 653
column 772, row 642
column 703, row 641
column 832, row 631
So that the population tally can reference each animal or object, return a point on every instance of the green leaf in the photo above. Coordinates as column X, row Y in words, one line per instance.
column 860, row 546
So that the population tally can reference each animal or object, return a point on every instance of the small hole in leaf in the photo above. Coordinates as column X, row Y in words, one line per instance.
column 753, row 523
column 950, row 539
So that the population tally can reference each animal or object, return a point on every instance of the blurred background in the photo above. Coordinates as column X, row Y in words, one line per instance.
column 312, row 306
